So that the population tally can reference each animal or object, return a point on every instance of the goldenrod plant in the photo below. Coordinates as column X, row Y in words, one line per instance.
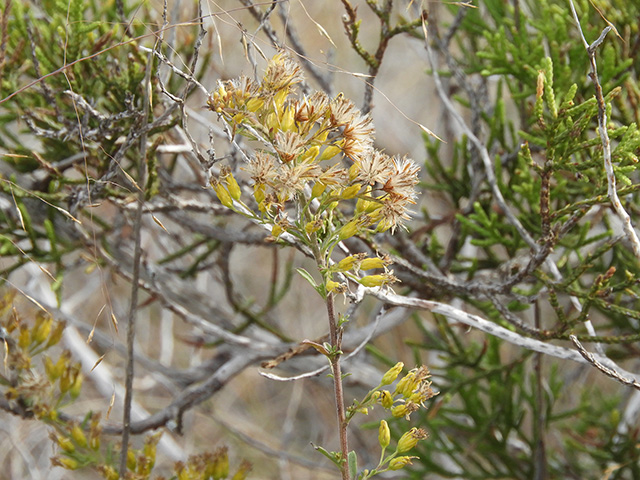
column 318, row 181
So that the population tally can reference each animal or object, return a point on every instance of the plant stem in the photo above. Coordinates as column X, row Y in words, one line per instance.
column 335, row 339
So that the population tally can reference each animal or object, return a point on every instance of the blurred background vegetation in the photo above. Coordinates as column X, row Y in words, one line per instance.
column 514, row 224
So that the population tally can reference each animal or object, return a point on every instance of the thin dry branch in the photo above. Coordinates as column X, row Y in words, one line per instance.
column 137, row 258
column 487, row 326
column 591, row 358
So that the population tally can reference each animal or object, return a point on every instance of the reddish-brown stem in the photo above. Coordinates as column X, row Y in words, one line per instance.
column 335, row 339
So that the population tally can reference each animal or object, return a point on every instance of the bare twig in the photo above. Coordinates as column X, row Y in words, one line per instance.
column 137, row 258
column 591, row 358
column 487, row 326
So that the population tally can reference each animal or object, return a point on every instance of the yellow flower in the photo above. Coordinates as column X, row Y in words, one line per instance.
column 400, row 462
column 329, row 152
column 222, row 193
column 350, row 191
column 390, row 376
column 410, row 439
column 386, row 399
column 371, row 263
column 407, row 385
column 350, row 262
column 78, row 436
column 313, row 226
column 310, row 155
column 378, row 280
column 333, row 286
column 384, row 434
column 288, row 121
column 404, row 410
column 318, row 189
column 234, row 188
column 349, row 230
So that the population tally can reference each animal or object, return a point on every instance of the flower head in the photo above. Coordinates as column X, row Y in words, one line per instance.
column 282, row 72
column 410, row 439
column 288, row 145
column 402, row 178
column 376, row 167
column 262, row 168
column 358, row 137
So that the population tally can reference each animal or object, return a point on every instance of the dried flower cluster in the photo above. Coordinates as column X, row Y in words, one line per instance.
column 316, row 153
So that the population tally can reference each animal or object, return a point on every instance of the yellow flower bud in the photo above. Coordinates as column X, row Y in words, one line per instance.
column 390, row 376
column 353, row 172
column 66, row 380
column 332, row 286
column 386, row 399
column 56, row 335
column 318, row 189
column 258, row 192
column 313, row 226
column 410, row 439
column 378, row 280
column 350, row 262
column 373, row 208
column 254, row 104
column 221, row 467
column 271, row 122
column 222, row 93
column 232, row 185
column 42, row 329
column 49, row 369
column 78, row 436
column 384, row 434
column 287, row 123
column 74, row 391
column 310, row 155
column 407, row 385
column 371, row 263
column 60, row 366
column 222, row 193
column 349, row 230
column 373, row 280
column 362, row 203
column 384, row 225
column 131, row 460
column 66, row 444
column 400, row 410
column 68, row 463
column 400, row 462
column 322, row 136
column 24, row 339
column 276, row 230
column 108, row 472
column 329, row 152
column 94, row 442
column 280, row 97
column 350, row 192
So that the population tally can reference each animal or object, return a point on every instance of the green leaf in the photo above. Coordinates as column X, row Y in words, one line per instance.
column 353, row 464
